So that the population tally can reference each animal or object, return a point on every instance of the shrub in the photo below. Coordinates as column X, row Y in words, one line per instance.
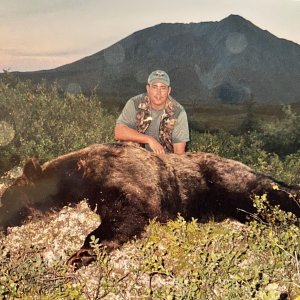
column 46, row 123
column 249, row 149
column 176, row 260
column 282, row 136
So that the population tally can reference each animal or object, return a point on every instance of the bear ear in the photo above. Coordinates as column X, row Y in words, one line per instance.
column 32, row 169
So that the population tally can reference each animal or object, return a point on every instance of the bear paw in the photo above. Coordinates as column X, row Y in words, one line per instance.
column 82, row 257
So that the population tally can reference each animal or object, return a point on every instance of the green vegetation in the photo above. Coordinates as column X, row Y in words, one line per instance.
column 235, row 118
column 44, row 122
column 177, row 260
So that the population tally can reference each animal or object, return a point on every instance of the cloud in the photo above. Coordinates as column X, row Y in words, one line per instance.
column 24, row 53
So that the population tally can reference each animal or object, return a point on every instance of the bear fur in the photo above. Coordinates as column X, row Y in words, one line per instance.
column 127, row 186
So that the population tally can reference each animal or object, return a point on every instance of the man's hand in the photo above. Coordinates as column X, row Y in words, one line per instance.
column 124, row 133
column 155, row 146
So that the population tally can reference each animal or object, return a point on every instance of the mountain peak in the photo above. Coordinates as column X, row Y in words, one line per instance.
column 237, row 22
column 227, row 60
column 233, row 17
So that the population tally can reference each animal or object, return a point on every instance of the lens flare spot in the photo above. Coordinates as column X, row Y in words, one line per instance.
column 236, row 42
column 141, row 76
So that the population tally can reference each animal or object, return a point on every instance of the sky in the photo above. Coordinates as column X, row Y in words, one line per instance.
column 44, row 34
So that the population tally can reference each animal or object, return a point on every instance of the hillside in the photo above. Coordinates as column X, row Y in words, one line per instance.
column 227, row 60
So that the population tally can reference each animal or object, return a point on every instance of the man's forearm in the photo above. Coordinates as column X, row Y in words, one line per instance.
column 124, row 133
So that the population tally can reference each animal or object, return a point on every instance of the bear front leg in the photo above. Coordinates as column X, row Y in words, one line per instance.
column 85, row 255
column 112, row 233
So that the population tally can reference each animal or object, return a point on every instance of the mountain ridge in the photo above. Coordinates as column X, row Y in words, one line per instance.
column 231, row 60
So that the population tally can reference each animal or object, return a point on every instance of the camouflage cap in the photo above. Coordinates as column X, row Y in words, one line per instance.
column 159, row 76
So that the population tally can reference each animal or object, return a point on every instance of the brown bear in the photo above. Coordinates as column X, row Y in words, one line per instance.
column 127, row 186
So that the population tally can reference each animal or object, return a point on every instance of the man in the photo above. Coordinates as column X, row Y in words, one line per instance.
column 154, row 119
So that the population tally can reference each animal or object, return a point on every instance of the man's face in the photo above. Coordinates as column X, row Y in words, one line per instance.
column 158, row 94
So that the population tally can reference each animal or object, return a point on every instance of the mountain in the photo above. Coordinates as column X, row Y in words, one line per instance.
column 230, row 60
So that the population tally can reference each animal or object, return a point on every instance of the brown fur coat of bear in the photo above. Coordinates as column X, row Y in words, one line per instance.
column 128, row 186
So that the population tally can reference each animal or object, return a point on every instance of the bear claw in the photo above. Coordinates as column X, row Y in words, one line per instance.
column 82, row 257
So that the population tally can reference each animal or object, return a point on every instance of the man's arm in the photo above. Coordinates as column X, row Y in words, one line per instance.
column 124, row 130
column 179, row 148
column 127, row 134
column 180, row 134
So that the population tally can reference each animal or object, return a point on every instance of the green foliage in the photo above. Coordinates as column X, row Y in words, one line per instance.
column 43, row 122
column 178, row 260
column 249, row 148
column 246, row 148
column 30, row 277
column 282, row 135
column 250, row 121
column 218, row 261
column 273, row 215
column 276, row 129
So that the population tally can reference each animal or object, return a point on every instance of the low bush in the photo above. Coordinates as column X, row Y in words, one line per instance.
column 43, row 122
column 249, row 149
column 176, row 260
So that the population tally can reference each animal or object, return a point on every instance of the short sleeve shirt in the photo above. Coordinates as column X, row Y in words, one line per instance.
column 181, row 130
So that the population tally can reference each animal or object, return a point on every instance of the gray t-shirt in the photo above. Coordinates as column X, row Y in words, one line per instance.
column 181, row 130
